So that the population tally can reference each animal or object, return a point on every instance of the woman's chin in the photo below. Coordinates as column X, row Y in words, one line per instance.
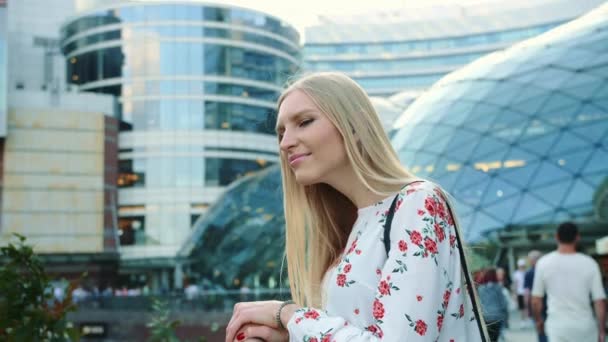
column 306, row 179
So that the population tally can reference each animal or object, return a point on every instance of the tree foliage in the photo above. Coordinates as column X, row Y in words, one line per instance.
column 28, row 310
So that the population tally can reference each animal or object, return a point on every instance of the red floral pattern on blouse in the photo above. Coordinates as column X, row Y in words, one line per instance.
column 411, row 295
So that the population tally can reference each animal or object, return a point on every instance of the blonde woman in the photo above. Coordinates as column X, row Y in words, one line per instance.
column 342, row 180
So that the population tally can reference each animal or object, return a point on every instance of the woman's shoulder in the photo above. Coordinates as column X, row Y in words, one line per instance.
column 424, row 189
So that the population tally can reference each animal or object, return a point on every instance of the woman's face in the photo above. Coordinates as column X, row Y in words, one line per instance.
column 311, row 145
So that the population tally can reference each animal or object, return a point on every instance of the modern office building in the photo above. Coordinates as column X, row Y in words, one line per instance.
column 519, row 138
column 58, row 150
column 59, row 181
column 410, row 49
column 197, row 84
column 33, row 37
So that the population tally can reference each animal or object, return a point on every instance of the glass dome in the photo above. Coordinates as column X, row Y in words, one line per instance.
column 244, row 227
column 520, row 136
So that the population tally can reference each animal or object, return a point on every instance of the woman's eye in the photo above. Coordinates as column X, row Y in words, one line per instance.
column 306, row 122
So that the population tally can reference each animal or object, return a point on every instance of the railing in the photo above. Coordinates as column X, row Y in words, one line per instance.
column 205, row 300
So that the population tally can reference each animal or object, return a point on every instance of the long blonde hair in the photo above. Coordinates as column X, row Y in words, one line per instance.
column 318, row 218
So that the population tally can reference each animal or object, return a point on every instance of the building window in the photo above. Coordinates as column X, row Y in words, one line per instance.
column 219, row 171
column 132, row 230
column 131, row 173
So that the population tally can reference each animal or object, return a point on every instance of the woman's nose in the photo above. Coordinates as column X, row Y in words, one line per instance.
column 287, row 141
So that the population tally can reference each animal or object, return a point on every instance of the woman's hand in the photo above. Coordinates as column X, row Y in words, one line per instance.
column 261, row 333
column 256, row 314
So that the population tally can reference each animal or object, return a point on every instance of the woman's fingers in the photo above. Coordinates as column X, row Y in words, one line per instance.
column 260, row 313
column 262, row 332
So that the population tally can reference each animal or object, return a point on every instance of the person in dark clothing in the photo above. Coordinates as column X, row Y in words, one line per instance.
column 533, row 257
column 493, row 303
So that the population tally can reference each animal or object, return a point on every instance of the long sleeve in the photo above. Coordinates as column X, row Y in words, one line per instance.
column 420, row 289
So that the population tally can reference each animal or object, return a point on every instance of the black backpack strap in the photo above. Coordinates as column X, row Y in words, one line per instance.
column 389, row 218
column 387, row 224
column 463, row 261
column 467, row 276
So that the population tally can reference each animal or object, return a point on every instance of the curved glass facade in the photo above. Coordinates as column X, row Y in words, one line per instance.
column 411, row 53
column 245, row 226
column 197, row 85
column 521, row 136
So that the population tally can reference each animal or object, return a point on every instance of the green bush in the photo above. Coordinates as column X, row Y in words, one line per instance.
column 28, row 310
column 162, row 328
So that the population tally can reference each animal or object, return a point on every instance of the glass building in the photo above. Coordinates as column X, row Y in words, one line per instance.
column 519, row 137
column 245, row 226
column 197, row 85
column 409, row 50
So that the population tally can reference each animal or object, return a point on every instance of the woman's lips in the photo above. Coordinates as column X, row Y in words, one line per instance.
column 296, row 159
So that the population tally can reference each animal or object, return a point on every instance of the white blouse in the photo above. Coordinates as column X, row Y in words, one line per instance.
column 417, row 293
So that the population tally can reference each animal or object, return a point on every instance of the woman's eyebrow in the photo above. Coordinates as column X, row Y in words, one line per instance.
column 294, row 117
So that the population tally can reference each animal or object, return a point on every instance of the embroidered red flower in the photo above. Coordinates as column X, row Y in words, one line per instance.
column 375, row 329
column 313, row 339
column 439, row 232
column 326, row 338
column 446, row 297
column 439, row 322
column 461, row 310
column 441, row 210
column 341, row 280
column 356, row 311
column 298, row 320
column 311, row 314
column 452, row 240
column 358, row 252
column 384, row 288
column 458, row 290
column 419, row 298
column 415, row 237
column 378, row 309
column 353, row 245
column 347, row 268
column 378, row 271
column 431, row 206
column 420, row 212
column 430, row 245
column 402, row 246
column 420, row 327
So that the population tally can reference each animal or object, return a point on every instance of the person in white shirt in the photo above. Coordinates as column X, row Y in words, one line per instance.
column 518, row 285
column 571, row 281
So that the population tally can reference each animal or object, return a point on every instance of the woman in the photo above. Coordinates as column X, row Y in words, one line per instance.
column 494, row 304
column 340, row 177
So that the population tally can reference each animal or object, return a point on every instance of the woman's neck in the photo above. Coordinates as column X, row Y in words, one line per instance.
column 350, row 186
